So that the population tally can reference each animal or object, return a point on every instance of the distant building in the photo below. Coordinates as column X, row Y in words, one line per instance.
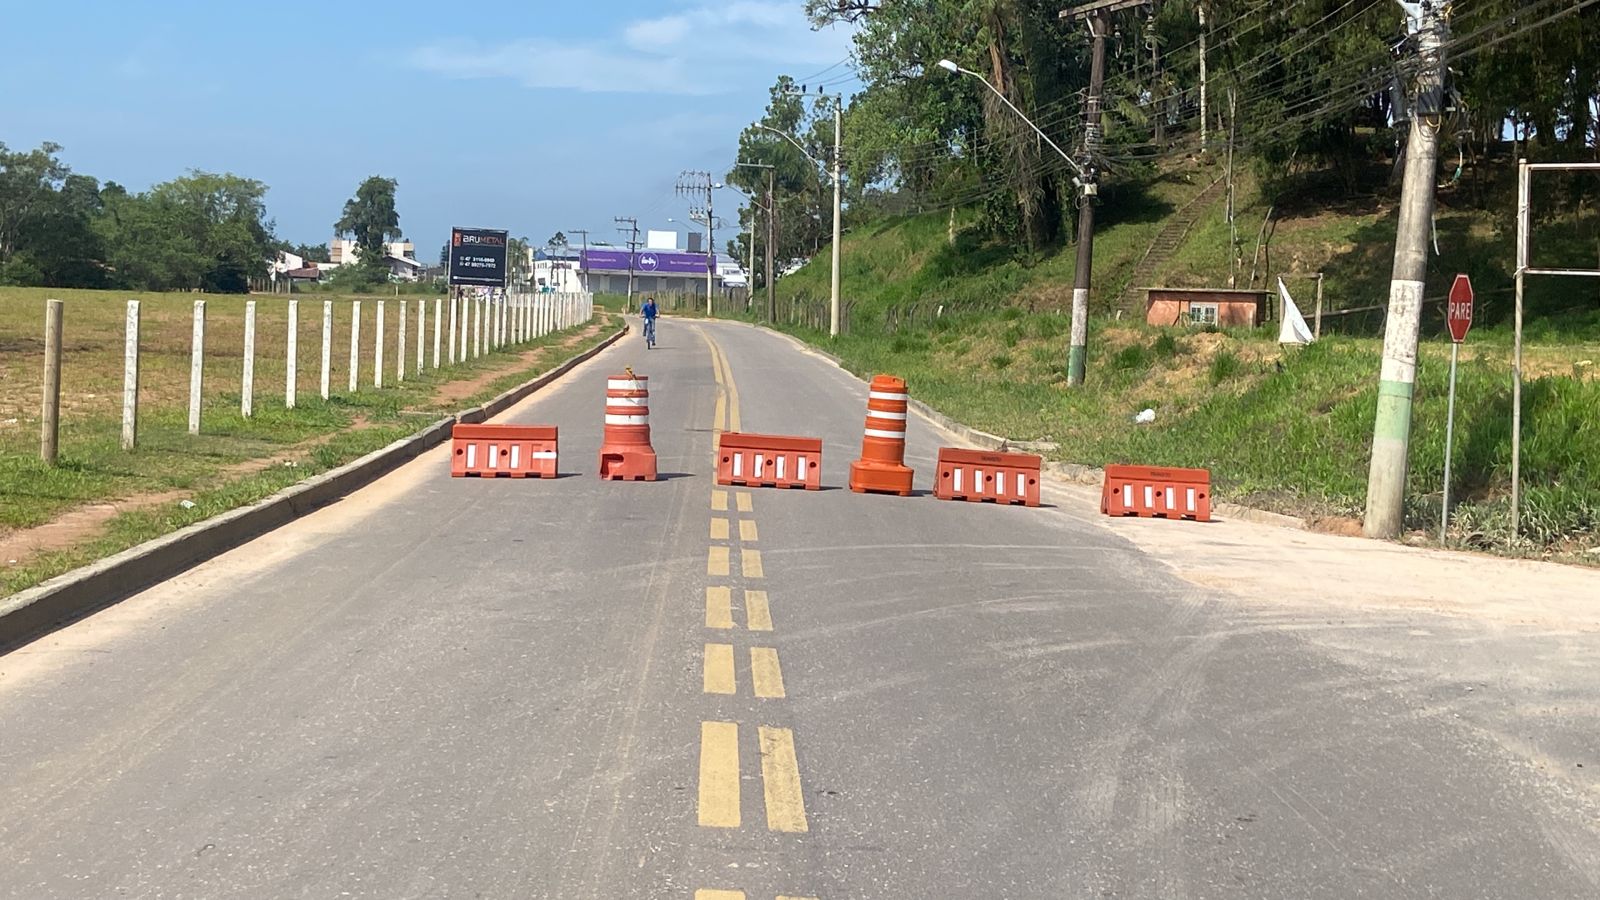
column 401, row 257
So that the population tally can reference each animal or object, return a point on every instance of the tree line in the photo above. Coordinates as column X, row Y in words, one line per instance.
column 201, row 231
column 1299, row 88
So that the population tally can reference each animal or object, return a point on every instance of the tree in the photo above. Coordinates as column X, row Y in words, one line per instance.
column 310, row 252
column 559, row 239
column 517, row 260
column 28, row 182
column 371, row 220
column 203, row 230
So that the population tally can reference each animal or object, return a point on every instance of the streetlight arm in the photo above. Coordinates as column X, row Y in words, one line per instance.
column 797, row 146
column 952, row 67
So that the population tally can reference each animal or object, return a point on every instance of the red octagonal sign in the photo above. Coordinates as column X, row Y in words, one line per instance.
column 1459, row 315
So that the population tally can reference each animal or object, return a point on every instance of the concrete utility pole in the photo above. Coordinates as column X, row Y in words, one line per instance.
column 694, row 183
column 1391, row 436
column 583, row 274
column 1202, row 8
column 633, row 245
column 1096, row 16
column 772, row 211
column 838, row 134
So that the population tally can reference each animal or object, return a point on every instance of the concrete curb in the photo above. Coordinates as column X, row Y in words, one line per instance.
column 68, row 597
column 1062, row 472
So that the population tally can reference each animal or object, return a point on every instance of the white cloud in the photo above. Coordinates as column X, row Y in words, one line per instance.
column 701, row 50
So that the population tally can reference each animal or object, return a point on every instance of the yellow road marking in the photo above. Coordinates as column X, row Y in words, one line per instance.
column 747, row 530
column 728, row 398
column 719, row 528
column 745, row 502
column 719, row 669
column 719, row 775
column 721, row 414
column 717, row 561
column 765, row 673
column 704, row 894
column 719, row 607
column 741, row 897
column 719, row 501
column 749, row 562
column 780, row 775
column 757, row 615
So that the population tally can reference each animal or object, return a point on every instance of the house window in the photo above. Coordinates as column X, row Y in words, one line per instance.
column 1203, row 313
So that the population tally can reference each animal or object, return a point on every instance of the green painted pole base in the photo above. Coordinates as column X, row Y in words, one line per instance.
column 1075, row 364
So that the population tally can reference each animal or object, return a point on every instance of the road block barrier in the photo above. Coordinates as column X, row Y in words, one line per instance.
column 625, row 451
column 769, row 460
column 980, row 475
column 881, row 468
column 503, row 451
column 1158, row 493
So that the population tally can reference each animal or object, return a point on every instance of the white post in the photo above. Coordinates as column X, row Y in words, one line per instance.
column 130, row 378
column 477, row 327
column 291, row 355
column 400, row 344
column 247, row 387
column 1523, row 191
column 422, row 327
column 437, row 308
column 466, row 327
column 453, row 305
column 1449, row 435
column 197, row 353
column 355, row 343
column 327, row 344
column 377, row 351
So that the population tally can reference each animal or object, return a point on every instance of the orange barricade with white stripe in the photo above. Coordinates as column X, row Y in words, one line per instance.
column 1158, row 493
column 769, row 460
column 503, row 451
column 625, row 451
column 882, row 467
column 979, row 475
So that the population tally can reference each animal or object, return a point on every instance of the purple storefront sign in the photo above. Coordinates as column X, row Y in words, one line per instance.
column 646, row 262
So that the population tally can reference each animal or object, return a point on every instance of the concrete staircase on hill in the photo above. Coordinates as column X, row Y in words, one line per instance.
column 1166, row 243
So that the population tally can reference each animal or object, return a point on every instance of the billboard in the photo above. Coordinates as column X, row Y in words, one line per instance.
column 647, row 262
column 478, row 257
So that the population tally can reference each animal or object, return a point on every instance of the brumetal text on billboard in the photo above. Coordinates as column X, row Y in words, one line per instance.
column 478, row 257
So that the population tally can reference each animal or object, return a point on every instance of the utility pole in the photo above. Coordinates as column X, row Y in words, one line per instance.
column 692, row 183
column 771, row 210
column 838, row 131
column 1095, row 15
column 582, row 272
column 633, row 244
column 1202, row 6
column 772, row 242
column 1391, row 435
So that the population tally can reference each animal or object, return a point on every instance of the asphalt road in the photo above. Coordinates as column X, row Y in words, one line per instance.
column 580, row 689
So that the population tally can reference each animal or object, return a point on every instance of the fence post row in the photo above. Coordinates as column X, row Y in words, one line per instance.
column 197, row 367
column 130, row 378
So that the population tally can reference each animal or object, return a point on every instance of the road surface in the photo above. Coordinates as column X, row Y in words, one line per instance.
column 578, row 689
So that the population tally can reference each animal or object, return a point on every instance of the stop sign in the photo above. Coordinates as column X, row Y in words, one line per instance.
column 1459, row 315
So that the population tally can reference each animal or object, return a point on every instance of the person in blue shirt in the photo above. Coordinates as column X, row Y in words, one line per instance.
column 648, row 310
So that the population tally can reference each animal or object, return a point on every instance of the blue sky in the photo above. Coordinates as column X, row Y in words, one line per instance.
column 528, row 116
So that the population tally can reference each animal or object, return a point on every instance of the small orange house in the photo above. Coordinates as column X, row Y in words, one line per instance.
column 1205, row 306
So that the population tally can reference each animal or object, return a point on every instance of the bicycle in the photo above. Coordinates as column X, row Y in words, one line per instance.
column 649, row 333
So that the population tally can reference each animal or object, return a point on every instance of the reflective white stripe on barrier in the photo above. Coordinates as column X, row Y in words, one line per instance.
column 1191, row 499
column 887, row 415
column 880, row 433
column 627, row 401
column 516, row 456
column 800, row 472
column 887, row 395
column 624, row 384
column 761, row 463
column 1149, row 497
column 472, row 456
column 542, row 454
column 1127, row 496
column 627, row 420
column 738, row 465
column 780, row 468
column 958, row 481
column 999, row 484
column 494, row 456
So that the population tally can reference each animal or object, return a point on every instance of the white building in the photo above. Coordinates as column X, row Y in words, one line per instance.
column 401, row 256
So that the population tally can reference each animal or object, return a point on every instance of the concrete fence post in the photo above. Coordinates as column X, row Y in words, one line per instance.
column 377, row 350
column 422, row 327
column 452, row 357
column 130, row 378
column 291, row 356
column 327, row 344
column 437, row 308
column 477, row 327
column 50, row 414
column 355, row 344
column 400, row 343
column 466, row 328
column 247, row 384
column 197, row 364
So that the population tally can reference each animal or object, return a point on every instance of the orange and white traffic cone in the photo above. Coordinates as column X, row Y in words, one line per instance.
column 882, row 467
column 625, row 451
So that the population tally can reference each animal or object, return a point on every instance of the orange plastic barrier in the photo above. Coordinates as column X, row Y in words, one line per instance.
column 503, row 451
column 769, row 460
column 979, row 475
column 625, row 451
column 1157, row 493
column 882, row 467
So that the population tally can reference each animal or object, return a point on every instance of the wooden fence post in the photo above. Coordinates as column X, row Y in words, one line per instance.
column 50, row 415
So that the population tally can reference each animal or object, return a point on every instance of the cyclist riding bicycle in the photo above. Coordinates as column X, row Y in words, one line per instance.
column 648, row 310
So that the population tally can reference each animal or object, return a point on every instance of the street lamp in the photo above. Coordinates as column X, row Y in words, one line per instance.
column 1077, row 350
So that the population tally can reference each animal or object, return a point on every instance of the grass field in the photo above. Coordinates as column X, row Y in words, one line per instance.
column 234, row 460
column 1288, row 429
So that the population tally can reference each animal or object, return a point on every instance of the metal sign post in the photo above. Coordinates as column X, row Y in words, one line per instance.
column 1459, row 319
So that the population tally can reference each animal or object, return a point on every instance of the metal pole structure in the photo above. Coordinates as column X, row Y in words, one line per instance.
column 1078, row 351
column 50, row 415
column 633, row 246
column 1449, row 435
column 711, row 245
column 772, row 237
column 833, row 298
column 1523, row 200
column 1391, row 435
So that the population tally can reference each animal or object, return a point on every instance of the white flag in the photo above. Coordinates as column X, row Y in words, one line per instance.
column 1293, row 330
